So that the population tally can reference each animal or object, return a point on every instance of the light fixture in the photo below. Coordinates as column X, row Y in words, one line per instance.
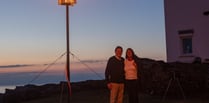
column 67, row 2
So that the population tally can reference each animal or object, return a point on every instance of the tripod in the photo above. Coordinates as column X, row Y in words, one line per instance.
column 173, row 78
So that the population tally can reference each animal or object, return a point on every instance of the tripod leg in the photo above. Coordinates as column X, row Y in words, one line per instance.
column 182, row 91
column 167, row 89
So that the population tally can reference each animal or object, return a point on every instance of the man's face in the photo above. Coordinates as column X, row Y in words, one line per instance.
column 118, row 52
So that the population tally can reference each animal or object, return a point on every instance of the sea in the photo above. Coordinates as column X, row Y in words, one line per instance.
column 10, row 77
column 48, row 79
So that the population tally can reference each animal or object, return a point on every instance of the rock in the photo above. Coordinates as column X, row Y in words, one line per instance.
column 1, row 98
column 31, row 92
column 154, row 79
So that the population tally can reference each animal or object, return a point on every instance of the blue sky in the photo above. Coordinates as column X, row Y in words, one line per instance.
column 33, row 31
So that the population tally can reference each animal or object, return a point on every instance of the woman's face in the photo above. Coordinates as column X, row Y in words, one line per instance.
column 129, row 53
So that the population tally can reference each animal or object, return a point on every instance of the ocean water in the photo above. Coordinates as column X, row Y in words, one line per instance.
column 2, row 88
column 12, row 77
column 19, row 81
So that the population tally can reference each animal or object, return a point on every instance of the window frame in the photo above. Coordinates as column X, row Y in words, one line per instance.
column 182, row 37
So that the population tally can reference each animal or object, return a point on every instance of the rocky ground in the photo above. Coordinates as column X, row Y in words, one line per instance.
column 89, row 92
column 102, row 96
column 185, row 83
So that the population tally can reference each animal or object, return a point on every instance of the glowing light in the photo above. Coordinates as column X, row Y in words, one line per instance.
column 67, row 2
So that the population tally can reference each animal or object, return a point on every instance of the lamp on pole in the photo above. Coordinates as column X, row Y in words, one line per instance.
column 67, row 3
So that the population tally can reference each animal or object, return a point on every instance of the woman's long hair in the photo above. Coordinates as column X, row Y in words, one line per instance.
column 134, row 55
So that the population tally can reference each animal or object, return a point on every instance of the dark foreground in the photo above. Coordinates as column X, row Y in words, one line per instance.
column 155, row 78
column 94, row 91
column 101, row 96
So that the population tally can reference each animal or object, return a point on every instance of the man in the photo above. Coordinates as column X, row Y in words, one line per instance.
column 114, row 74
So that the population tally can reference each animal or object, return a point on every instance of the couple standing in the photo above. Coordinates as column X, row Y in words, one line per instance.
column 120, row 71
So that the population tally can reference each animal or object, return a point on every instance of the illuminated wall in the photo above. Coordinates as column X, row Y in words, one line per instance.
column 187, row 32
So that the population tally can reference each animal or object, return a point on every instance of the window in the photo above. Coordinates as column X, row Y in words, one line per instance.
column 186, row 41
column 187, row 45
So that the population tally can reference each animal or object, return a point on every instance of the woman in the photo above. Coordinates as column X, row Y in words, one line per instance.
column 131, row 75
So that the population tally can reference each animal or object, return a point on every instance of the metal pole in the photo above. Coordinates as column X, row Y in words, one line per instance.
column 68, row 49
column 68, row 44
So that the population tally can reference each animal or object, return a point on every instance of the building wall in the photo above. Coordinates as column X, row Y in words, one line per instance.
column 182, row 15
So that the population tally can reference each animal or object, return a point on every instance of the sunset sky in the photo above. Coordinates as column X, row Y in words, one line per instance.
column 33, row 31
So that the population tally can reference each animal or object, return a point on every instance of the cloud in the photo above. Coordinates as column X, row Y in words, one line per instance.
column 15, row 66
column 93, row 61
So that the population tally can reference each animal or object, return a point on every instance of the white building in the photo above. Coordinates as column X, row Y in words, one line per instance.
column 187, row 30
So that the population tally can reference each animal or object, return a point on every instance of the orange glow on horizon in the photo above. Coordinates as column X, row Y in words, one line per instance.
column 57, row 68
